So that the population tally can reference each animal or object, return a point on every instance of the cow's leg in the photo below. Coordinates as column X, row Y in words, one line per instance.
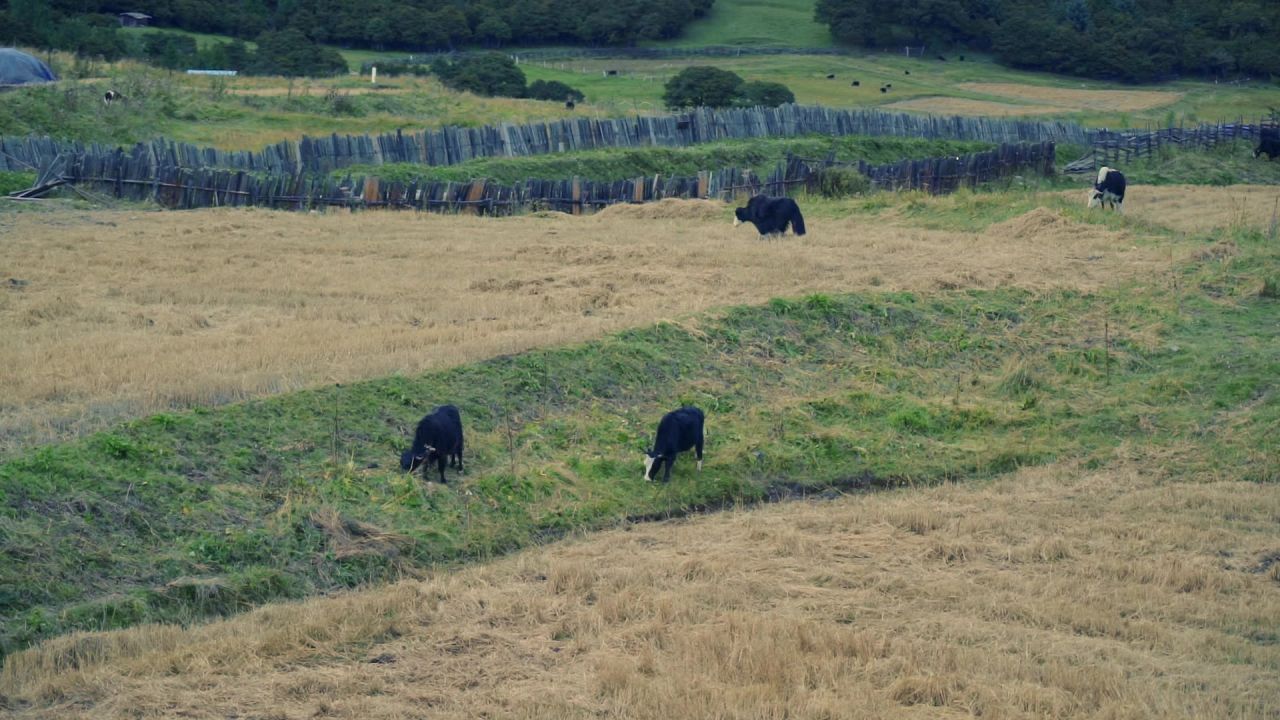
column 666, row 472
column 698, row 450
column 440, row 465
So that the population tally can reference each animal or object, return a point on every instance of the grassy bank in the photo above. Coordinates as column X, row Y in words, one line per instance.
column 761, row 155
column 185, row 515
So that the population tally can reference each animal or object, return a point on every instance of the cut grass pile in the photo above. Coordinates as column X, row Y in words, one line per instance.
column 184, row 515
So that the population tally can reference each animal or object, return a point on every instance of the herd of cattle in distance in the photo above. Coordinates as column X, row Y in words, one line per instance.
column 438, row 439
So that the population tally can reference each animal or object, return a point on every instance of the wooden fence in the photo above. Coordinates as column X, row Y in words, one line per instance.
column 453, row 145
column 128, row 177
column 1119, row 148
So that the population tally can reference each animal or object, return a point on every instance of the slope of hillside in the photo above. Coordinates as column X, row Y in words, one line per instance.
column 1048, row 334
column 755, row 23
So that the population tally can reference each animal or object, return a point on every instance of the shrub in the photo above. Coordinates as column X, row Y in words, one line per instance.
column 767, row 94
column 487, row 74
column 702, row 87
column 553, row 90
column 11, row 182
column 839, row 182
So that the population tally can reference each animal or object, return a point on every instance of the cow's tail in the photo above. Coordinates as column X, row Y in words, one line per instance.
column 797, row 222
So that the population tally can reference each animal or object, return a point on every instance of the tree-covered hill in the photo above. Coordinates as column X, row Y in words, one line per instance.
column 90, row 26
column 1129, row 40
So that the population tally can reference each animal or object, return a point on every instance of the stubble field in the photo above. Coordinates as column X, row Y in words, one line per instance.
column 111, row 315
column 1049, row 593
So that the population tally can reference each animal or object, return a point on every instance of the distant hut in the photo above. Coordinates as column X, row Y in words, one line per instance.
column 134, row 19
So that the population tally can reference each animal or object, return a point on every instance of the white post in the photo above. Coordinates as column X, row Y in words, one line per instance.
column 373, row 75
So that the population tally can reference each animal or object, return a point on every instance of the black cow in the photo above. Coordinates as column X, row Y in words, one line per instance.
column 439, row 436
column 1108, row 189
column 1268, row 144
column 770, row 215
column 678, row 431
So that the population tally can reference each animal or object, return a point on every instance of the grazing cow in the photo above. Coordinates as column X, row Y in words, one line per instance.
column 770, row 215
column 906, row 72
column 884, row 89
column 1268, row 144
column 855, row 83
column 1108, row 189
column 111, row 96
column 831, row 76
column 568, row 104
column 678, row 431
column 439, row 436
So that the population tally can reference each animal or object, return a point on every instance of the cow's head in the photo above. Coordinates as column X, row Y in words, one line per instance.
column 1095, row 197
column 739, row 216
column 410, row 461
column 650, row 464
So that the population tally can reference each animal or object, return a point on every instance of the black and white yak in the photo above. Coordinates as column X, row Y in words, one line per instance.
column 678, row 431
column 1108, row 189
column 439, row 436
column 771, row 215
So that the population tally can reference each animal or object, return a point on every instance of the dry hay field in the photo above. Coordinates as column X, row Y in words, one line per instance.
column 1037, row 100
column 1051, row 592
column 113, row 314
column 1079, row 99
column 967, row 106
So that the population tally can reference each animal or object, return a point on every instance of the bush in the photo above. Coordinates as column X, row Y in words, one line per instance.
column 839, row 182
column 11, row 182
column 487, row 74
column 767, row 94
column 703, row 86
column 553, row 90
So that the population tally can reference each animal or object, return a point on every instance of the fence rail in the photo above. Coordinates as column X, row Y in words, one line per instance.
column 1111, row 148
column 124, row 176
column 453, row 145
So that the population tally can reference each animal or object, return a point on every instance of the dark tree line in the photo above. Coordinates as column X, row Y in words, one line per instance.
column 381, row 24
column 1128, row 40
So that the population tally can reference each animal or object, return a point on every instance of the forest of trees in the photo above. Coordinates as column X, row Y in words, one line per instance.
column 90, row 26
column 1128, row 40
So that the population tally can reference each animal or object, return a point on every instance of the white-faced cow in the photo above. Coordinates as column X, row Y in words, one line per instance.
column 439, row 436
column 1268, row 144
column 1108, row 189
column 678, row 431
